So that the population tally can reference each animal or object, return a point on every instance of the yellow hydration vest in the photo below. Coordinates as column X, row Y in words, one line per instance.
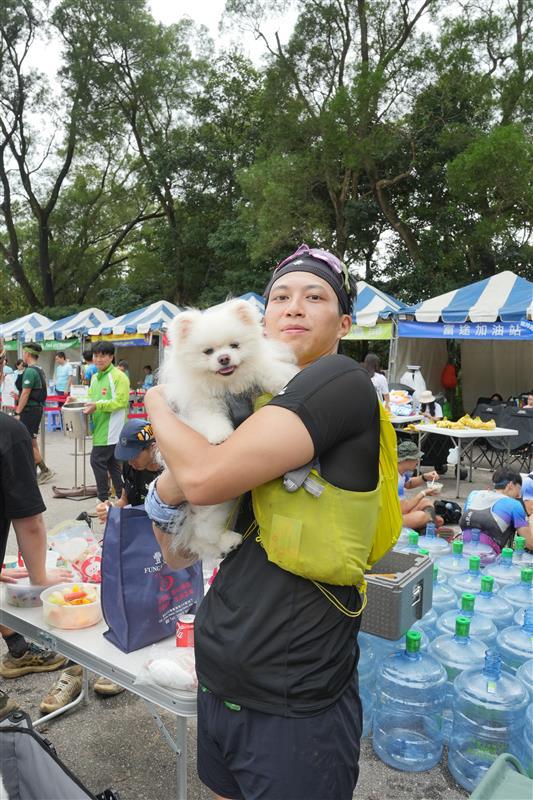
column 334, row 537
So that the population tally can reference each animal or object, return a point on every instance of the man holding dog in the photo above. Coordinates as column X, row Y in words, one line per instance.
column 276, row 660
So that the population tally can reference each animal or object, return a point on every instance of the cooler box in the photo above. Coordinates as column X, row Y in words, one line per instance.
column 399, row 592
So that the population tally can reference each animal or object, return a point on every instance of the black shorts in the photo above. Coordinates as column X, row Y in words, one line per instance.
column 248, row 754
column 31, row 417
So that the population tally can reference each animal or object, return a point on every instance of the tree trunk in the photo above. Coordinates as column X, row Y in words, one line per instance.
column 45, row 271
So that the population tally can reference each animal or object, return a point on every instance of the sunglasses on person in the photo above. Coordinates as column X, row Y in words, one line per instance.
column 326, row 257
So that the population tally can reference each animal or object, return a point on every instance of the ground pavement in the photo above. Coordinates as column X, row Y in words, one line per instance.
column 114, row 741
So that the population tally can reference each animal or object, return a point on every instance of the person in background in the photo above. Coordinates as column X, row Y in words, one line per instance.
column 124, row 367
column 496, row 398
column 497, row 512
column 19, row 365
column 89, row 369
column 379, row 381
column 527, row 493
column 429, row 408
column 5, row 369
column 148, row 377
column 32, row 388
column 21, row 504
column 418, row 510
column 62, row 375
column 529, row 401
column 109, row 395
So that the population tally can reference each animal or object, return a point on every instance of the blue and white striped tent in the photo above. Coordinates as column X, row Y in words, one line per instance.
column 155, row 317
column 24, row 327
column 74, row 325
column 372, row 305
column 504, row 297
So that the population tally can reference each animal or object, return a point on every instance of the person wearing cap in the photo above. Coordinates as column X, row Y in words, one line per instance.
column 32, row 388
column 417, row 510
column 276, row 660
column 429, row 408
column 136, row 447
column 497, row 512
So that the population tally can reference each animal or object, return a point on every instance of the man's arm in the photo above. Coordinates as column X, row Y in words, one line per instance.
column 23, row 399
column 269, row 443
column 32, row 542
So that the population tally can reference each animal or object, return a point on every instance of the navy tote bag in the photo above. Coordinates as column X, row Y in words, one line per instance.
column 142, row 597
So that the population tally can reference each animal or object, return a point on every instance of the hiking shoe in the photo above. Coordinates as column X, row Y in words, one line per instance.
column 64, row 691
column 105, row 686
column 45, row 475
column 35, row 659
column 7, row 705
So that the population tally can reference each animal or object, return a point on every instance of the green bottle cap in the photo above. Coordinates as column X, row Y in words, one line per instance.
column 423, row 551
column 526, row 575
column 467, row 602
column 519, row 543
column 507, row 552
column 412, row 538
column 473, row 563
column 412, row 641
column 462, row 626
column 487, row 583
column 457, row 548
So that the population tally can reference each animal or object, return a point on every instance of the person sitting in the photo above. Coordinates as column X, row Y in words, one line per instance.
column 495, row 398
column 418, row 510
column 148, row 378
column 429, row 408
column 379, row 381
column 497, row 512
column 529, row 401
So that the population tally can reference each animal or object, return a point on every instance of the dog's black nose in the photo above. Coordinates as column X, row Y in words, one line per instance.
column 224, row 360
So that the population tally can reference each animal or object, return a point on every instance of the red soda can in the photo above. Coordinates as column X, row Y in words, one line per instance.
column 185, row 630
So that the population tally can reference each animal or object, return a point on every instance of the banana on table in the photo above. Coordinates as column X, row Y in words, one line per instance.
column 465, row 423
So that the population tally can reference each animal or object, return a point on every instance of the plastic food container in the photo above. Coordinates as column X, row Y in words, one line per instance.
column 71, row 617
column 436, row 488
column 10, row 562
column 23, row 595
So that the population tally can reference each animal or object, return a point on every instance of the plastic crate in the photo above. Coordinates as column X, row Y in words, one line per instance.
column 394, row 603
column 505, row 780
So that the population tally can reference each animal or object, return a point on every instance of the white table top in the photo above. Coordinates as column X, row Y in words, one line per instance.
column 399, row 420
column 89, row 648
column 467, row 433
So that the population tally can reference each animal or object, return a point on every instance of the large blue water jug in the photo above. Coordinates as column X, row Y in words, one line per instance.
column 488, row 714
column 515, row 644
column 410, row 695
column 366, row 670
column 520, row 595
column 494, row 605
column 427, row 624
column 444, row 598
column 456, row 652
column 472, row 546
column 480, row 625
column 412, row 544
column 521, row 557
column 402, row 539
column 455, row 563
column 525, row 755
column 504, row 570
column 469, row 581
column 525, row 674
column 437, row 547
column 384, row 647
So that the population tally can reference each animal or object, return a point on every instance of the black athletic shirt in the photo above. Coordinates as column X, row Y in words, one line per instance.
column 265, row 638
column 19, row 493
column 136, row 483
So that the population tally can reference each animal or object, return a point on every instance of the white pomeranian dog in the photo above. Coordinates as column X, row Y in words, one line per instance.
column 213, row 355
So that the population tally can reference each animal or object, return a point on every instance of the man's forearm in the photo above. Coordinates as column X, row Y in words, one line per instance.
column 23, row 400
column 31, row 538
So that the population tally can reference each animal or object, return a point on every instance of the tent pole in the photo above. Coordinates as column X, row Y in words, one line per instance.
column 393, row 351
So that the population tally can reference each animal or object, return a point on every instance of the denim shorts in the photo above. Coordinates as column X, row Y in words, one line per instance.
column 248, row 755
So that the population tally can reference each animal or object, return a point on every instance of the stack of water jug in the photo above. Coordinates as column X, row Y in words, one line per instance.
column 462, row 676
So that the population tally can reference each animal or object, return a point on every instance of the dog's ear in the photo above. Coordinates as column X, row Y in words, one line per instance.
column 245, row 312
column 182, row 324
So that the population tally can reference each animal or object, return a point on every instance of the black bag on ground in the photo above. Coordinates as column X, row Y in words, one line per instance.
column 449, row 511
column 30, row 768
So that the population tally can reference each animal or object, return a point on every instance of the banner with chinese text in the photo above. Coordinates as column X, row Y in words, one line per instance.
column 516, row 331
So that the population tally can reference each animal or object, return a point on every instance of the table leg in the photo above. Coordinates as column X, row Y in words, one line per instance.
column 458, row 467
column 83, row 698
column 181, row 757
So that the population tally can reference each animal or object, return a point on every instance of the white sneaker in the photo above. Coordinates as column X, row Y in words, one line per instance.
column 45, row 476
column 64, row 691
column 105, row 686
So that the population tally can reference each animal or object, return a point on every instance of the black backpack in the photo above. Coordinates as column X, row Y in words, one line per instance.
column 37, row 395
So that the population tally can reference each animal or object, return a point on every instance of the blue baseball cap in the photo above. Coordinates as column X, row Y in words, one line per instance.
column 135, row 436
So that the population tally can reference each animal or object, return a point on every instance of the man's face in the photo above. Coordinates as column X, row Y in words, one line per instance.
column 303, row 312
column 513, row 490
column 143, row 459
column 530, row 401
column 408, row 465
column 60, row 360
column 102, row 361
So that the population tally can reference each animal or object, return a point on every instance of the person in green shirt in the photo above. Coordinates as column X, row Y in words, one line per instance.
column 30, row 406
column 109, row 395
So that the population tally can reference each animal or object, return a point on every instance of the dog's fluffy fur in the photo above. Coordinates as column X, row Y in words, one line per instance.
column 215, row 354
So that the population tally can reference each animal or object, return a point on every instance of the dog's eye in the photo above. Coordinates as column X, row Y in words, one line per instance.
column 234, row 345
column 209, row 351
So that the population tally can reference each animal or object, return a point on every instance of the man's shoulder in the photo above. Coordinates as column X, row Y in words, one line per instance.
column 31, row 374
column 332, row 367
column 12, row 432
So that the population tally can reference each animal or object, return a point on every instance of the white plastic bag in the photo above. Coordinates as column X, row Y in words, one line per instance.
column 453, row 455
column 170, row 668
column 78, row 548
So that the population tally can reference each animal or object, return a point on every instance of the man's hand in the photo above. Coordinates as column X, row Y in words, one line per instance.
column 90, row 408
column 431, row 476
column 12, row 575
column 102, row 510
